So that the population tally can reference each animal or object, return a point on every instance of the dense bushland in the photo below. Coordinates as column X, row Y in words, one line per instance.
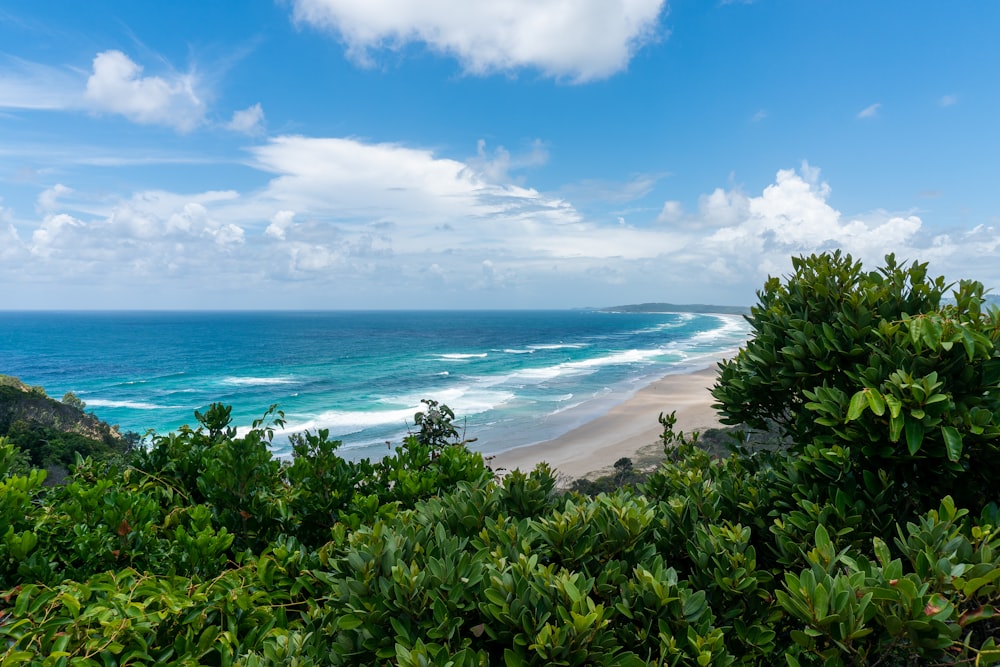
column 839, row 545
column 49, row 432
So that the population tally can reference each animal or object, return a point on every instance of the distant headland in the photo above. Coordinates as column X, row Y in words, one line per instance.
column 676, row 308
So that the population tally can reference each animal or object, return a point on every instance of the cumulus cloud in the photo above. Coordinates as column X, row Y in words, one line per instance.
column 672, row 212
column 581, row 40
column 304, row 258
column 279, row 223
column 792, row 216
column 361, row 224
column 722, row 208
column 54, row 234
column 118, row 86
column 870, row 111
column 247, row 121
column 115, row 84
column 194, row 220
column 48, row 200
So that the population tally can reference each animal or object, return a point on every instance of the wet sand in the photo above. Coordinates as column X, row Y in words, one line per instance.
column 627, row 428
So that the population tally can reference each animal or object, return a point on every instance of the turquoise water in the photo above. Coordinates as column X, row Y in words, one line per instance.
column 513, row 378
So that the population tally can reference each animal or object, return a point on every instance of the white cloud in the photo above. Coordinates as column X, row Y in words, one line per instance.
column 350, row 178
column 305, row 258
column 672, row 212
column 227, row 234
column 356, row 224
column 247, row 121
column 279, row 224
column 496, row 168
column 133, row 222
column 598, row 190
column 948, row 100
column 55, row 233
column 48, row 200
column 347, row 179
column 759, row 116
column 792, row 216
column 722, row 207
column 870, row 111
column 117, row 86
column 581, row 40
column 29, row 85
column 194, row 220
column 10, row 240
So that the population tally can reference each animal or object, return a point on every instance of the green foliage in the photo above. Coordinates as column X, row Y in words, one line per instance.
column 72, row 400
column 813, row 329
column 430, row 461
column 826, row 549
column 938, row 606
column 52, row 433
column 624, row 474
column 46, row 446
column 121, row 565
column 878, row 364
column 324, row 486
column 527, row 495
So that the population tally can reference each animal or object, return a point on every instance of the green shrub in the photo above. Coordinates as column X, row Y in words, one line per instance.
column 877, row 363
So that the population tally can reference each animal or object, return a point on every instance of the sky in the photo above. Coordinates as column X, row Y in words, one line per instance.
column 388, row 154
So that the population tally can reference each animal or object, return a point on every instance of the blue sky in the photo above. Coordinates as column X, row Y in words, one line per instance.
column 471, row 154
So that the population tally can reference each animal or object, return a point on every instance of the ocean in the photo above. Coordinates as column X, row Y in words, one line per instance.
column 513, row 378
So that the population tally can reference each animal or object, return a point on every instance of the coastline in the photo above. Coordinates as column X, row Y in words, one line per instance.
column 624, row 430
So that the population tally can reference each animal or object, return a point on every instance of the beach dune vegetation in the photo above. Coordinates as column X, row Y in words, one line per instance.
column 838, row 547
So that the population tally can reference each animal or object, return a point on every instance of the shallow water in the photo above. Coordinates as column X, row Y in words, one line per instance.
column 512, row 377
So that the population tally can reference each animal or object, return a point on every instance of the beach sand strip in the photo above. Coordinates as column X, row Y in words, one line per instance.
column 625, row 430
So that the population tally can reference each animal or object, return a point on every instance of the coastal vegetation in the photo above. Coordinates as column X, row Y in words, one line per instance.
column 864, row 529
column 50, row 433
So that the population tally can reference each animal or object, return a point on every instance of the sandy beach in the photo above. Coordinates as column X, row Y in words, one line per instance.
column 624, row 430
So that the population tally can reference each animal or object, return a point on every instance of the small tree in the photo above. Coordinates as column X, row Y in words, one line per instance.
column 73, row 400
column 623, row 469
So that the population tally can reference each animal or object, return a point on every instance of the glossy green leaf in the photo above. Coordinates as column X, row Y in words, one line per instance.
column 952, row 442
column 858, row 403
column 914, row 436
column 875, row 401
column 896, row 424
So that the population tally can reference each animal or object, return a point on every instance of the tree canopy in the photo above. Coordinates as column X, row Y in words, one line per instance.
column 882, row 362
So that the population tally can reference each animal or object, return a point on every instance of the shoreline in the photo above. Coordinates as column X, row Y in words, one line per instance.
column 625, row 430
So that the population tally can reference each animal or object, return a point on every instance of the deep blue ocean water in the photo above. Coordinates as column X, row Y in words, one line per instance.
column 513, row 378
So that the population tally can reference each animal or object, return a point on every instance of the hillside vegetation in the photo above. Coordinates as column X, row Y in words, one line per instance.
column 869, row 534
column 52, row 433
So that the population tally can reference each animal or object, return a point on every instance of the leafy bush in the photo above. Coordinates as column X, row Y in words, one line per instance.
column 878, row 364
